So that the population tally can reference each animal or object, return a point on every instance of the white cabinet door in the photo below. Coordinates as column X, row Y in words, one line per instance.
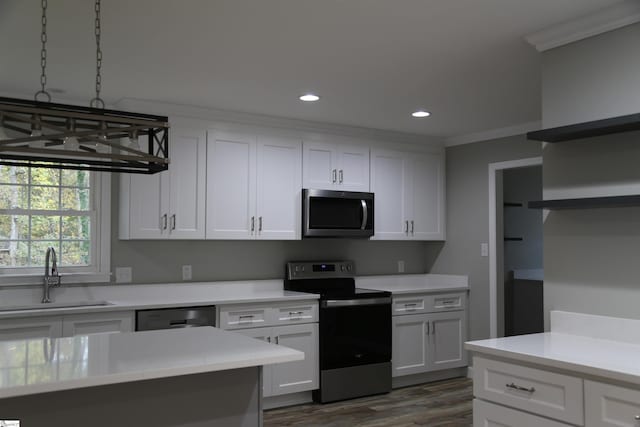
column 147, row 200
column 410, row 345
column 353, row 168
column 487, row 414
column 33, row 327
column 187, row 184
column 279, row 185
column 319, row 165
column 95, row 323
column 448, row 333
column 427, row 195
column 389, row 182
column 301, row 375
column 231, row 185
column 611, row 406
column 262, row 334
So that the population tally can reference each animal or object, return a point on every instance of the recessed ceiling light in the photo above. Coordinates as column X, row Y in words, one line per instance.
column 421, row 113
column 309, row 97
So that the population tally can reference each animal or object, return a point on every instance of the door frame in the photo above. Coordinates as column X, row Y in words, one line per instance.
column 494, row 168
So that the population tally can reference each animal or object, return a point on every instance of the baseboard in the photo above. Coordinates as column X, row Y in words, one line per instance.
column 273, row 402
column 409, row 380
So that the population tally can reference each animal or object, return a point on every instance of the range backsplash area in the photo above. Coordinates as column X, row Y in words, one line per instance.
column 591, row 256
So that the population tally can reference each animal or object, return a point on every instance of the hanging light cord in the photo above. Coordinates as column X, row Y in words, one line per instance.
column 43, row 57
column 97, row 102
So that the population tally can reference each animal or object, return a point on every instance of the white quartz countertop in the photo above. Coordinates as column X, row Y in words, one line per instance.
column 142, row 297
column 46, row 365
column 593, row 356
column 414, row 283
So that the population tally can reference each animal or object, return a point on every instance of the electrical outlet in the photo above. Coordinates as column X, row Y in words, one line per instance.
column 124, row 274
column 187, row 273
column 484, row 249
column 400, row 266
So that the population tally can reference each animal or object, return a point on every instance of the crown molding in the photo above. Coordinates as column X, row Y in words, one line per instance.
column 601, row 21
column 487, row 135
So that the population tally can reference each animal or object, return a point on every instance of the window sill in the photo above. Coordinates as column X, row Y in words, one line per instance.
column 69, row 278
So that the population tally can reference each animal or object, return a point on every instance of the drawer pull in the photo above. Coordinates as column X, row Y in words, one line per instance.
column 519, row 388
column 637, row 418
column 410, row 306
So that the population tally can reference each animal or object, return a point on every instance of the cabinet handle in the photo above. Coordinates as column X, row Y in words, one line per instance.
column 411, row 226
column 520, row 388
column 298, row 313
column 334, row 175
column 433, row 328
column 268, row 339
column 406, row 227
column 259, row 223
column 173, row 222
column 341, row 176
column 253, row 224
column 246, row 316
column 277, row 339
column 164, row 221
column 428, row 326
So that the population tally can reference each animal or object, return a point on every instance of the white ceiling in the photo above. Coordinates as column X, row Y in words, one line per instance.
column 372, row 61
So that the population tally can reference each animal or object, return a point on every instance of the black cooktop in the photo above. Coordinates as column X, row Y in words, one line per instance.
column 332, row 280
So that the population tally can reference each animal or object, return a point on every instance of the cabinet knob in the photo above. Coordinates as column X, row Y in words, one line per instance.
column 637, row 418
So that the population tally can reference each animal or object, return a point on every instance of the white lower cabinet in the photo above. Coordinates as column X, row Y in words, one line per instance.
column 90, row 323
column 607, row 405
column 511, row 394
column 31, row 327
column 427, row 342
column 289, row 377
column 66, row 325
column 487, row 414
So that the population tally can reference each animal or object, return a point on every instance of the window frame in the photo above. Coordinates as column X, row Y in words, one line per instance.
column 99, row 269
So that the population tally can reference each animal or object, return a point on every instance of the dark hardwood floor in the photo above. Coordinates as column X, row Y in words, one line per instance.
column 438, row 404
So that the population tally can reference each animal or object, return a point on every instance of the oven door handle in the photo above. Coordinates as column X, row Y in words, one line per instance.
column 352, row 302
column 365, row 214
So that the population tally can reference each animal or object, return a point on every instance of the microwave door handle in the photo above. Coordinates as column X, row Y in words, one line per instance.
column 365, row 214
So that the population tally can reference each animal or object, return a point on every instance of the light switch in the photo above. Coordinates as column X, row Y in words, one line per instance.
column 484, row 249
column 186, row 272
column 123, row 274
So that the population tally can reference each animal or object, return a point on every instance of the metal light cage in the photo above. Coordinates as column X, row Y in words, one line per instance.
column 100, row 134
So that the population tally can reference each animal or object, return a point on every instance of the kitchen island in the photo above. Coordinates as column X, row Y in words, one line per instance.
column 185, row 377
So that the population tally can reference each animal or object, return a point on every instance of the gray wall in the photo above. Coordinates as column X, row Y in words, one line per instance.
column 591, row 256
column 161, row 261
column 468, row 218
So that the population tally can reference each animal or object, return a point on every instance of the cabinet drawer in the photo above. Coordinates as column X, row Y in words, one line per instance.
column 235, row 317
column 607, row 405
column 411, row 305
column 540, row 392
column 445, row 302
column 487, row 414
column 292, row 314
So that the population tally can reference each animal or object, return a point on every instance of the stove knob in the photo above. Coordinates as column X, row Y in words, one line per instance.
column 349, row 267
column 342, row 267
column 297, row 268
column 303, row 268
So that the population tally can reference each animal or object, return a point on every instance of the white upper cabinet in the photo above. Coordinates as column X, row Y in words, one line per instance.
column 335, row 167
column 279, row 176
column 254, row 186
column 389, row 183
column 409, row 195
column 231, row 185
column 170, row 204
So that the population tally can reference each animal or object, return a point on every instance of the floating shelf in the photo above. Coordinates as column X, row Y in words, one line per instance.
column 587, row 203
column 513, row 239
column 512, row 205
column 612, row 125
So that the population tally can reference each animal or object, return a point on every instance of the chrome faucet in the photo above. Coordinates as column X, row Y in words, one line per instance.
column 51, row 277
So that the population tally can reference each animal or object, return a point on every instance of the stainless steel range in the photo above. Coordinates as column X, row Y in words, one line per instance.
column 355, row 330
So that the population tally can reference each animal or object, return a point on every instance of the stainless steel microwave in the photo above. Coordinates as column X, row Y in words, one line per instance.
column 327, row 213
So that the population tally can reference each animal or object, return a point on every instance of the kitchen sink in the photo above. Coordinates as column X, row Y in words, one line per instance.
column 53, row 305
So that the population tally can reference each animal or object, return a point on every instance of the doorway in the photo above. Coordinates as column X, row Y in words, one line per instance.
column 515, row 248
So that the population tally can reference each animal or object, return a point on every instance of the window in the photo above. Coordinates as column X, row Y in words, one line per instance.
column 63, row 209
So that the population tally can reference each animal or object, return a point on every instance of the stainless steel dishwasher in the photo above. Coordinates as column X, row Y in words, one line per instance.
column 175, row 318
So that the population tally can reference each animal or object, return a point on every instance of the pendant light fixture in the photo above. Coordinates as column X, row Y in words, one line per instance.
column 44, row 134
